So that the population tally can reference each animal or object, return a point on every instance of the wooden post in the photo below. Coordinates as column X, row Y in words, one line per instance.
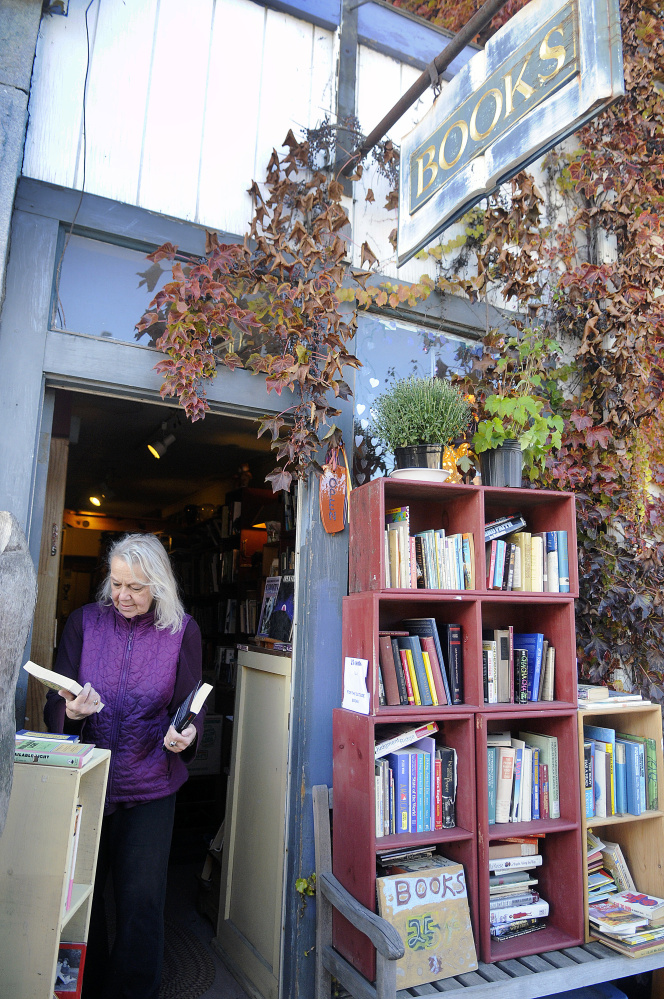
column 43, row 634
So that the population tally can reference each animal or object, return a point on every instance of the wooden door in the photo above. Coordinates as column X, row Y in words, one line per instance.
column 249, row 928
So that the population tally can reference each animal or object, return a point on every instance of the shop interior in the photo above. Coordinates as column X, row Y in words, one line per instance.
column 135, row 466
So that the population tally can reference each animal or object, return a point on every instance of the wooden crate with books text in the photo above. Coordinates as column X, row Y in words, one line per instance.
column 449, row 638
column 632, row 823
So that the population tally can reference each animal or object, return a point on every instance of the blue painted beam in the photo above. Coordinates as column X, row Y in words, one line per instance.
column 325, row 13
column 405, row 37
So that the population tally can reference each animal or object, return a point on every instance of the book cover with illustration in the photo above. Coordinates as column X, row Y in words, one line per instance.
column 278, row 605
column 430, row 910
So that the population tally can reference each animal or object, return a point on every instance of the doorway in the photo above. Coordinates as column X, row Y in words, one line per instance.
column 126, row 465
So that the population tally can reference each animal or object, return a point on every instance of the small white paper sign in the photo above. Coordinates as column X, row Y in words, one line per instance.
column 356, row 695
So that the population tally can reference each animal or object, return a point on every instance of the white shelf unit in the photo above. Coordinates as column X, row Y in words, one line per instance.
column 34, row 851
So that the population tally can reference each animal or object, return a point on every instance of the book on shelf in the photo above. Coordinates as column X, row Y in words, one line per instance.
column 424, row 899
column 492, row 760
column 642, row 904
column 588, row 777
column 611, row 917
column 616, row 865
column 514, row 898
column 503, row 525
column 649, row 757
column 410, row 644
column 504, row 849
column 396, row 691
column 400, row 736
column 533, row 643
column 502, row 738
column 55, row 681
column 54, row 754
column 444, row 656
column 191, row 706
column 591, row 692
column 617, row 701
column 601, row 734
column 515, row 863
column 276, row 618
column 519, row 929
column 504, row 781
column 529, row 910
column 548, row 757
column 641, row 944
column 515, row 806
column 69, row 970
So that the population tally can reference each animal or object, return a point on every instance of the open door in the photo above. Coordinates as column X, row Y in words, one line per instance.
column 249, row 928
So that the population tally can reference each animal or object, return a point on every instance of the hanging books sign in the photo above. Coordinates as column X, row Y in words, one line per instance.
column 334, row 491
column 552, row 67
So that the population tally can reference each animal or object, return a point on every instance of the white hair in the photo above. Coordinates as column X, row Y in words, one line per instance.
column 146, row 552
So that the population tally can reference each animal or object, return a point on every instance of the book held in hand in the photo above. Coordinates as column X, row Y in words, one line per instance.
column 190, row 707
column 56, row 681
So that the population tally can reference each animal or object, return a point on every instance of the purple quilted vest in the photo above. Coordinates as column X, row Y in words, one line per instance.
column 133, row 666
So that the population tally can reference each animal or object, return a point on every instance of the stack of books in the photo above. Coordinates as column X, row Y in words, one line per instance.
column 522, row 777
column 631, row 923
column 519, row 560
column 430, row 559
column 421, row 664
column 517, row 667
column 608, row 872
column 620, row 772
column 58, row 751
column 515, row 907
column 592, row 697
column 415, row 782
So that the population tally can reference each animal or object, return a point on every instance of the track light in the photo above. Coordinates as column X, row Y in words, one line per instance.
column 101, row 492
column 160, row 446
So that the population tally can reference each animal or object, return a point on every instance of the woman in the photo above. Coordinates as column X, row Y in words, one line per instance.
column 139, row 655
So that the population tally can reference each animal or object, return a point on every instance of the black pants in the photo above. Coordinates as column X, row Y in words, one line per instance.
column 134, row 847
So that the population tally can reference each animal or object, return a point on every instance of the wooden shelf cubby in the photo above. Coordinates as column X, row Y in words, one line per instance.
column 639, row 836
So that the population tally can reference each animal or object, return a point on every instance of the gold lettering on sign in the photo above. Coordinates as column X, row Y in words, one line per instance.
column 498, row 98
column 422, row 167
column 520, row 85
column 463, row 128
column 556, row 52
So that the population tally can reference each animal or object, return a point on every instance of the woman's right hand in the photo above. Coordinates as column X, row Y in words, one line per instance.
column 86, row 703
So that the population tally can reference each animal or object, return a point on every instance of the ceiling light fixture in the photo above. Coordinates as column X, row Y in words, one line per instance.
column 160, row 446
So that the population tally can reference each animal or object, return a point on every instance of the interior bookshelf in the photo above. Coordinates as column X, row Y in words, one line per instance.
column 34, row 874
column 372, row 607
column 639, row 836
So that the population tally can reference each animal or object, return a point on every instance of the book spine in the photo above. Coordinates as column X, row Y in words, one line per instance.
column 49, row 759
column 409, row 670
column 412, row 645
column 403, row 673
column 563, row 562
column 496, row 530
column 490, row 564
column 588, row 779
column 504, row 775
column 429, row 676
column 535, row 910
column 400, row 766
column 429, row 646
column 536, row 795
column 455, row 659
column 516, row 786
column 544, row 790
column 491, row 754
column 439, row 792
column 448, row 786
column 524, row 898
column 552, row 572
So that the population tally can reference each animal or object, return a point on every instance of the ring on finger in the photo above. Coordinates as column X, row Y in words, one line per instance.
column 173, row 744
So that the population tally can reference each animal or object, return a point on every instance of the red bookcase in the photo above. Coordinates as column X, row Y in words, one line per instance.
column 371, row 607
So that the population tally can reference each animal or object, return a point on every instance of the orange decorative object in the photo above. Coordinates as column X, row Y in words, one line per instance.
column 451, row 456
column 335, row 488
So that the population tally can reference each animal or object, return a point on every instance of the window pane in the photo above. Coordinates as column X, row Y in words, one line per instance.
column 105, row 289
column 390, row 349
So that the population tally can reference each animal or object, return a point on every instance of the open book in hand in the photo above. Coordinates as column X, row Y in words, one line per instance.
column 56, row 681
column 190, row 707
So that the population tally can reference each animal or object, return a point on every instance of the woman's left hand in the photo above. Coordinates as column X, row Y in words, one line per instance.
column 175, row 742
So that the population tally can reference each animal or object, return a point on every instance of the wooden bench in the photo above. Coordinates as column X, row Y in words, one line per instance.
column 525, row 978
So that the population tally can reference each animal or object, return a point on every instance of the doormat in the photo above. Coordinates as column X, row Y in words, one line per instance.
column 189, row 969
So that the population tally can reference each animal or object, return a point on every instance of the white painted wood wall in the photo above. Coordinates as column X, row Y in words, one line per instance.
column 184, row 102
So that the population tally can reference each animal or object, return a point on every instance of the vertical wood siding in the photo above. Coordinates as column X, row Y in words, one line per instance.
column 182, row 111
column 381, row 82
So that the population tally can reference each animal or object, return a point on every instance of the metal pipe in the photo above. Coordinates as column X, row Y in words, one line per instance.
column 478, row 21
